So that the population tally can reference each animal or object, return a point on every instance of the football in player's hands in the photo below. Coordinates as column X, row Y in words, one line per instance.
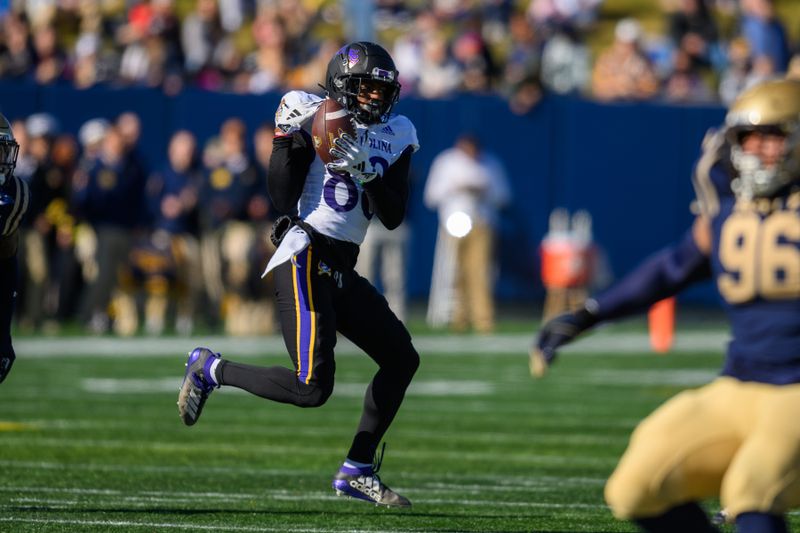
column 330, row 122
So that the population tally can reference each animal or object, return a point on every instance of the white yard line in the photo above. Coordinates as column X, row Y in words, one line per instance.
column 493, row 503
column 312, row 496
column 305, row 496
column 436, row 388
column 573, row 438
column 680, row 377
column 499, row 479
column 534, row 484
column 522, row 457
column 448, row 345
column 205, row 470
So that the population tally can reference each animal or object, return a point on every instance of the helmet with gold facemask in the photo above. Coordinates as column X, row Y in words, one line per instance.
column 770, row 108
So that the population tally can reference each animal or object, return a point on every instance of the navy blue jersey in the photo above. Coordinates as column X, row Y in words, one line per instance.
column 755, row 262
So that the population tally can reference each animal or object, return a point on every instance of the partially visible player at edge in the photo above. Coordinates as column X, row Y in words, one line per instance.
column 14, row 201
column 737, row 438
column 318, row 291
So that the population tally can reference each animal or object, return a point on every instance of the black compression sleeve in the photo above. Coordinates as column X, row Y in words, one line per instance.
column 388, row 195
column 292, row 156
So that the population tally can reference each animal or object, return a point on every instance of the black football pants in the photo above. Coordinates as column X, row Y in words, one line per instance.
column 316, row 297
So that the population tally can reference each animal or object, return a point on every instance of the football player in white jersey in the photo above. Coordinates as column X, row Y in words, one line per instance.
column 14, row 201
column 318, row 291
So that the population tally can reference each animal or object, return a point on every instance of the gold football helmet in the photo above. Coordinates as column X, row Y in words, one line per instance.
column 772, row 106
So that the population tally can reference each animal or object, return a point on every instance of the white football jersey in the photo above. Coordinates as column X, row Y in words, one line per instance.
column 334, row 204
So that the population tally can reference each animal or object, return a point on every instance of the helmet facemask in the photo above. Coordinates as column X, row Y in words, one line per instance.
column 769, row 113
column 755, row 178
column 358, row 91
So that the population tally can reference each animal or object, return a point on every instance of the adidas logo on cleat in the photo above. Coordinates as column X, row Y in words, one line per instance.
column 196, row 385
column 366, row 490
column 363, row 483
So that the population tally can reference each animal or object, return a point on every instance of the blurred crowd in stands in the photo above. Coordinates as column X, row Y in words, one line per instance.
column 116, row 245
column 107, row 240
column 705, row 50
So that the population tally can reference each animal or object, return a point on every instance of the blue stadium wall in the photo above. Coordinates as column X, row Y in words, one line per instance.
column 628, row 164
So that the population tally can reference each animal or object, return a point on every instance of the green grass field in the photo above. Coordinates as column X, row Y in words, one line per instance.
column 90, row 438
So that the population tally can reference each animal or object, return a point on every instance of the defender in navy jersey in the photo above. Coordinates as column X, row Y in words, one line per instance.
column 318, row 291
column 14, row 202
column 737, row 438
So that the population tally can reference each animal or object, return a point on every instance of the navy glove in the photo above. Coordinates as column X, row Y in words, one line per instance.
column 556, row 333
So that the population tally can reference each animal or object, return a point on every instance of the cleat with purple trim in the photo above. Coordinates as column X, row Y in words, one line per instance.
column 364, row 484
column 196, row 386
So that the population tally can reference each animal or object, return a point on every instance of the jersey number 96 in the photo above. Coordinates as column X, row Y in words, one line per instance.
column 762, row 257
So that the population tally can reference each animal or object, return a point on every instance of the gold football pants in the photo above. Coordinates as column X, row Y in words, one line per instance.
column 736, row 440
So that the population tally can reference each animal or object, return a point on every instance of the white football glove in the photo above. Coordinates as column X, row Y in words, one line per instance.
column 352, row 158
column 290, row 118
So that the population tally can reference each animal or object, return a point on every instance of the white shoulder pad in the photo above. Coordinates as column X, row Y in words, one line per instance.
column 403, row 130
